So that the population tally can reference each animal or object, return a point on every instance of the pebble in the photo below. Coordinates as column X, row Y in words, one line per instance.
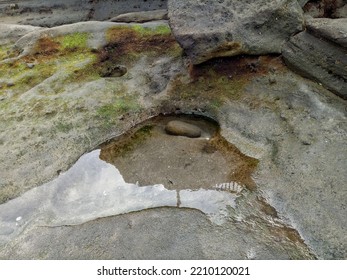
column 182, row 129
column 30, row 65
column 272, row 80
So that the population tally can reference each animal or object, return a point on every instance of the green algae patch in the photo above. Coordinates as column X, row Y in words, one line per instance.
column 71, row 61
column 63, row 127
column 127, row 143
column 149, row 31
column 112, row 112
column 214, row 83
column 126, row 43
column 68, row 55
column 211, row 90
column 73, row 42
column 6, row 51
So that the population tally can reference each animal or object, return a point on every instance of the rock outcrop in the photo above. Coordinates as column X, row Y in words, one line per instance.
column 326, row 8
column 56, row 104
column 319, row 53
column 207, row 29
column 50, row 13
column 9, row 33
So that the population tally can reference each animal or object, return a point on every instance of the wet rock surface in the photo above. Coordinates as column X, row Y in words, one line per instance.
column 171, row 160
column 162, row 233
column 320, row 53
column 233, row 27
column 163, row 214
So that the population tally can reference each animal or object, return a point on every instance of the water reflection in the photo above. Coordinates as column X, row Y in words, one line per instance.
column 91, row 189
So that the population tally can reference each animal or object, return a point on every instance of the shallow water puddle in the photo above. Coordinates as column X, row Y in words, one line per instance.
column 160, row 170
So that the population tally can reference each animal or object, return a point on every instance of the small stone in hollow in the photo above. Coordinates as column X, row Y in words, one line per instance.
column 182, row 129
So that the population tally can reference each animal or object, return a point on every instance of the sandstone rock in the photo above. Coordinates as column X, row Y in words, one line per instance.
column 207, row 29
column 332, row 30
column 141, row 16
column 320, row 53
column 183, row 129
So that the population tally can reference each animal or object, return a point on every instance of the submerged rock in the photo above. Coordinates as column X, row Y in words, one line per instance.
column 225, row 28
column 183, row 129
column 320, row 53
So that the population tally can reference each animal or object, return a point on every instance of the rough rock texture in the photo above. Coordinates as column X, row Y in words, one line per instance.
column 207, row 29
column 9, row 33
column 53, row 113
column 60, row 85
column 320, row 53
column 326, row 8
column 332, row 30
column 141, row 16
column 162, row 233
column 58, row 12
column 302, row 2
column 183, row 129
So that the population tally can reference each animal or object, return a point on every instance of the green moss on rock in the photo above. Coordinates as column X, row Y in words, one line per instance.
column 111, row 113
column 73, row 42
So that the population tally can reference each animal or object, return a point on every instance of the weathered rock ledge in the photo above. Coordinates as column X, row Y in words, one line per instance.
column 319, row 53
column 207, row 29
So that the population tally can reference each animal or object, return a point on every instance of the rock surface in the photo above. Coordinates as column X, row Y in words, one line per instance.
column 326, row 8
column 141, row 16
column 295, row 128
column 207, row 29
column 10, row 33
column 302, row 2
column 58, row 12
column 334, row 30
column 183, row 129
column 320, row 53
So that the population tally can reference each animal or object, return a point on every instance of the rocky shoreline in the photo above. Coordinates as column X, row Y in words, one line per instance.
column 67, row 89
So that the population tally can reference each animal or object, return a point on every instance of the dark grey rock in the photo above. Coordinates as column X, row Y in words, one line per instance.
column 183, row 129
column 113, row 71
column 321, row 56
column 302, row 2
column 326, row 8
column 341, row 12
column 208, row 29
